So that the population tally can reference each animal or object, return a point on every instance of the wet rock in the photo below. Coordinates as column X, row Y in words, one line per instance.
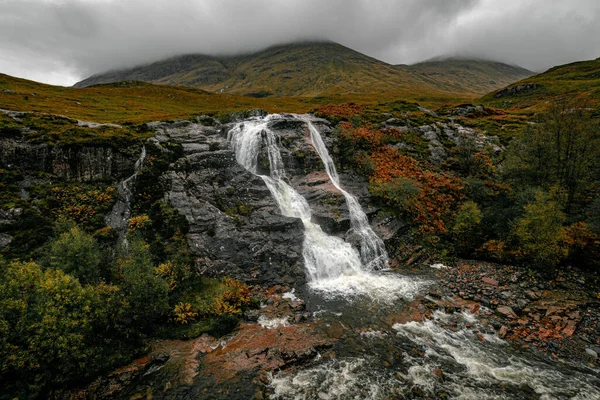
column 236, row 228
column 298, row 305
column 503, row 331
column 87, row 163
column 160, row 358
column 252, row 315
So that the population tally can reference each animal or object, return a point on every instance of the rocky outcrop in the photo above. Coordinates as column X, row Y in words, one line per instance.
column 236, row 228
column 439, row 133
column 515, row 90
column 81, row 163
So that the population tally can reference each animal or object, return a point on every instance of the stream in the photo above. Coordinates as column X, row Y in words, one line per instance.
column 352, row 288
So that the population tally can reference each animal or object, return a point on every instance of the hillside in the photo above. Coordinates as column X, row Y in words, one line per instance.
column 467, row 75
column 317, row 69
column 579, row 79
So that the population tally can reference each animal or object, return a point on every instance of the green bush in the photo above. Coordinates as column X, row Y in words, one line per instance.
column 146, row 293
column 77, row 253
column 540, row 233
column 53, row 330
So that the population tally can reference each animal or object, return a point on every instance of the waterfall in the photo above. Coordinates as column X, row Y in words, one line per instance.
column 372, row 249
column 333, row 266
column 119, row 216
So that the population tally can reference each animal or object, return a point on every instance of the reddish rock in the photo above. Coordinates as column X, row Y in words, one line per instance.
column 490, row 281
column 569, row 330
column 503, row 331
column 507, row 312
column 256, row 348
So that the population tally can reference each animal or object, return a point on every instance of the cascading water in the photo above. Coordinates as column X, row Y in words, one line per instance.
column 372, row 249
column 333, row 266
column 118, row 218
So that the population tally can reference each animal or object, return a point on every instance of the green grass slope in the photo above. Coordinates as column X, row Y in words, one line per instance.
column 467, row 75
column 576, row 80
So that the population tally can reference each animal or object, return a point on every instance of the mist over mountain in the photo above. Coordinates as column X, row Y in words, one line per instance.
column 314, row 68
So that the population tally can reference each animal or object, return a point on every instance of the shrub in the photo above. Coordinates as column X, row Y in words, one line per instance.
column 540, row 233
column 77, row 253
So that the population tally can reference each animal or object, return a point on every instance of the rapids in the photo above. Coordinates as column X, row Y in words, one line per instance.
column 350, row 290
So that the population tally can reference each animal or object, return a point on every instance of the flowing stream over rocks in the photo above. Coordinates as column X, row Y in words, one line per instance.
column 381, row 354
column 118, row 218
column 333, row 266
column 266, row 205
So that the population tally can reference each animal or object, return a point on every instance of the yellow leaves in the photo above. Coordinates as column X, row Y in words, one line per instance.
column 139, row 222
column 183, row 313
column 172, row 273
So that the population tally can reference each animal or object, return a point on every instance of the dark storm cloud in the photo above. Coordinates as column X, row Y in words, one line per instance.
column 63, row 41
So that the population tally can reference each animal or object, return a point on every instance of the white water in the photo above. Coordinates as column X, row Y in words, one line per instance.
column 488, row 364
column 333, row 266
column 119, row 216
column 472, row 369
column 372, row 249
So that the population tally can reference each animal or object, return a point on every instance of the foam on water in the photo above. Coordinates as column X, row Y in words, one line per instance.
column 489, row 364
column 334, row 268
column 335, row 380
column 272, row 323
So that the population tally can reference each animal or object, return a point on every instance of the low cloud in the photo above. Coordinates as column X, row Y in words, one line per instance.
column 61, row 42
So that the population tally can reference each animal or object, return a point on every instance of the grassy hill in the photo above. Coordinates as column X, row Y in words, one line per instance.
column 317, row 69
column 137, row 102
column 303, row 69
column 467, row 75
column 579, row 79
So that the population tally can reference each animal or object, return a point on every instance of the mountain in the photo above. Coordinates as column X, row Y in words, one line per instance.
column 467, row 75
column 579, row 79
column 312, row 69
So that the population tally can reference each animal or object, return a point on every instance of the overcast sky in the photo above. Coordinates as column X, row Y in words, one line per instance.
column 64, row 41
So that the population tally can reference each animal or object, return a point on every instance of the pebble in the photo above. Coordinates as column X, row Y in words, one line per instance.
column 592, row 353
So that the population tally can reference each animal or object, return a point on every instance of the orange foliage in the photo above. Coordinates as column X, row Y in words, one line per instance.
column 361, row 135
column 439, row 194
column 339, row 111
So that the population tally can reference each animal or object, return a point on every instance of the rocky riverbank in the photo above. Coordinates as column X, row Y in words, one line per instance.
column 558, row 315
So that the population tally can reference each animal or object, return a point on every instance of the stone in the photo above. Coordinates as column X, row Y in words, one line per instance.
column 503, row 331
column 569, row 330
column 591, row 353
column 506, row 311
column 298, row 305
column 531, row 295
column 5, row 240
column 489, row 281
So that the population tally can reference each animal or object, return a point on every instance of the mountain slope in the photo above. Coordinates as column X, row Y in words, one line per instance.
column 579, row 79
column 467, row 75
column 306, row 69
column 316, row 69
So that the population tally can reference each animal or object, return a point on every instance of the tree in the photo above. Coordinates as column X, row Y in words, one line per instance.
column 561, row 150
column 77, row 253
column 52, row 329
column 540, row 232
column 146, row 293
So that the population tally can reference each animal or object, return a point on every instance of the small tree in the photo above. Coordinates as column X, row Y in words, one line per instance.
column 146, row 292
column 540, row 233
column 77, row 253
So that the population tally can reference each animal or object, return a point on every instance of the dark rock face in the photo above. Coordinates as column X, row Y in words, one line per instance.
column 85, row 163
column 514, row 90
column 236, row 228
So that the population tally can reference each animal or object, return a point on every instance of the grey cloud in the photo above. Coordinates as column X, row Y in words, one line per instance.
column 62, row 41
